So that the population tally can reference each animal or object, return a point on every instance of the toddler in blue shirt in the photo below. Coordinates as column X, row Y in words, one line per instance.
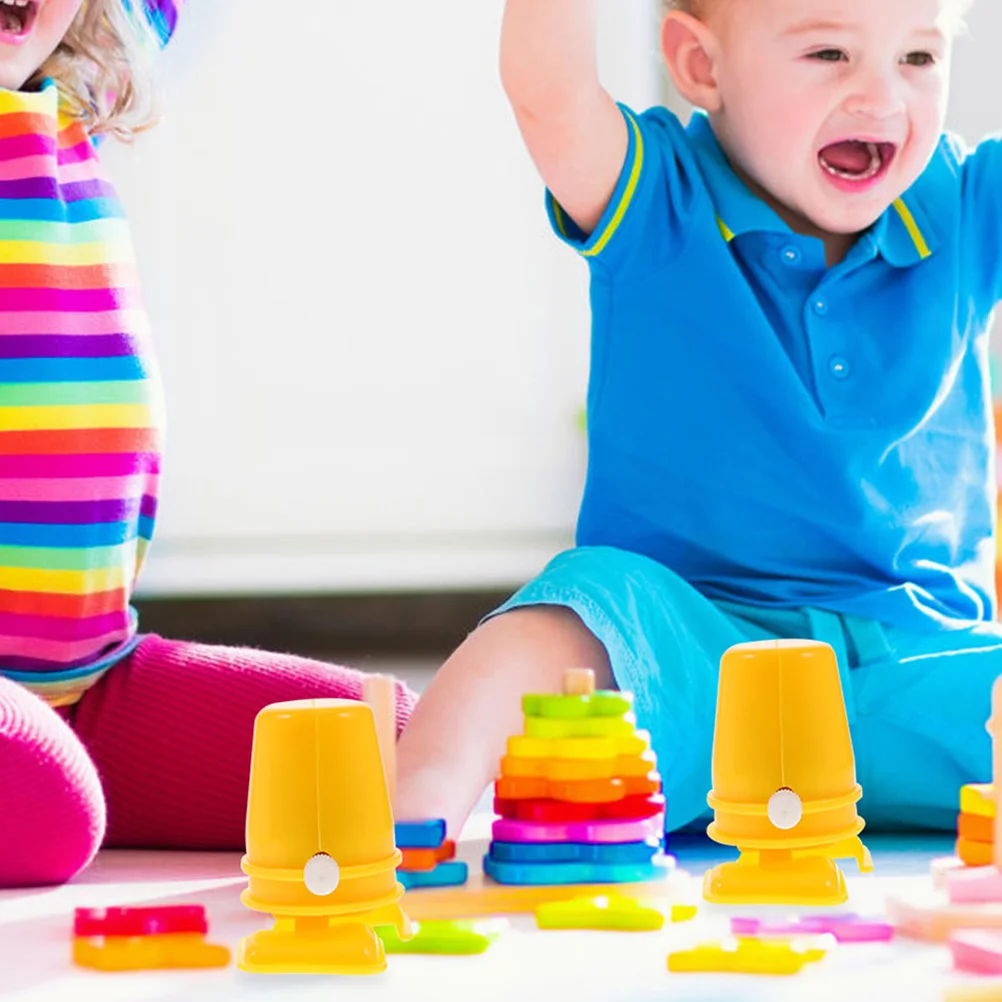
column 789, row 414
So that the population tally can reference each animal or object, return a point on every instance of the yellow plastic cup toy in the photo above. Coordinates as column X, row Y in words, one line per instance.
column 784, row 777
column 321, row 855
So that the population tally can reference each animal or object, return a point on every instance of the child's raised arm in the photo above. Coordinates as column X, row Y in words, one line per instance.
column 574, row 132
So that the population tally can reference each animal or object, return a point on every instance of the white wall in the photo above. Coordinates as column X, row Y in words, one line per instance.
column 374, row 351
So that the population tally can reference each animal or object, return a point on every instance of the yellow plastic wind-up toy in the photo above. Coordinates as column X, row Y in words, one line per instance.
column 784, row 777
column 320, row 855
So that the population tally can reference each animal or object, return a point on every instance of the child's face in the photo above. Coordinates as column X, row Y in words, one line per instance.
column 832, row 108
column 30, row 30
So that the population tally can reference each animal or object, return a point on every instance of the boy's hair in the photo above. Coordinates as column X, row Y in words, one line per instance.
column 101, row 68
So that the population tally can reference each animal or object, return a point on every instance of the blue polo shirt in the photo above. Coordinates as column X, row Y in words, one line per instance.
column 778, row 432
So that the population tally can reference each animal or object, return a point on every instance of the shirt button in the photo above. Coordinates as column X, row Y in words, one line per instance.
column 821, row 307
column 839, row 367
column 791, row 254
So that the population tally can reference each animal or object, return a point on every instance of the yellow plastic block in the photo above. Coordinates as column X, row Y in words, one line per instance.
column 633, row 744
column 683, row 913
column 145, row 953
column 746, row 955
column 978, row 798
column 612, row 912
column 588, row 727
column 574, row 770
column 984, row 991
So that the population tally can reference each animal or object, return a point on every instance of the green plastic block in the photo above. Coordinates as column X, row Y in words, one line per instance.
column 455, row 938
column 602, row 704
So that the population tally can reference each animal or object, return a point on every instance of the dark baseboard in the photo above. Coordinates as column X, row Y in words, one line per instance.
column 351, row 626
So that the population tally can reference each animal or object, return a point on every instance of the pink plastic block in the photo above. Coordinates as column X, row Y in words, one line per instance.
column 845, row 928
column 978, row 951
column 139, row 921
column 648, row 829
column 981, row 883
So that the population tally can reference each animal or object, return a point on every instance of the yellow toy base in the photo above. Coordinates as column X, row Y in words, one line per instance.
column 312, row 946
column 754, row 880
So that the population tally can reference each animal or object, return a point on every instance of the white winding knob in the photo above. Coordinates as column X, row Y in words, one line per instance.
column 321, row 875
column 785, row 809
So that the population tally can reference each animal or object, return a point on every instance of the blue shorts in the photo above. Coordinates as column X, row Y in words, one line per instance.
column 917, row 703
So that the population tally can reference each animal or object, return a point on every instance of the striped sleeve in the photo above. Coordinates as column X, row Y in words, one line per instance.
column 641, row 225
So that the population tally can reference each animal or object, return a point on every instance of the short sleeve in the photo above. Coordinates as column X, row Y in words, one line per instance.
column 642, row 224
column 981, row 173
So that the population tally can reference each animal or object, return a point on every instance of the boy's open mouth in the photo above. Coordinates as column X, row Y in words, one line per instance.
column 857, row 159
column 17, row 17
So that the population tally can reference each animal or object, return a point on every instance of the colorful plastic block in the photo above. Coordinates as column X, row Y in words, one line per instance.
column 427, row 859
column 452, row 938
column 575, row 770
column 975, row 853
column 139, row 921
column 594, row 791
column 563, row 812
column 598, row 704
column 977, row 951
column 976, row 827
column 974, row 884
column 745, row 956
column 574, row 852
column 419, row 834
column 645, row 830
column 611, row 913
column 634, row 743
column 578, row 873
column 147, row 953
column 683, row 913
column 449, row 874
column 845, row 928
column 967, row 992
column 587, row 727
column 929, row 917
column 978, row 798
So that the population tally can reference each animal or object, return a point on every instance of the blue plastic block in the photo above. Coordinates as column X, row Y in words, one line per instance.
column 578, row 873
column 574, row 852
column 419, row 834
column 452, row 873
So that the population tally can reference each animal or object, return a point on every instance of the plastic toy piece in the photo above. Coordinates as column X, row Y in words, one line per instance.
column 419, row 834
column 975, row 853
column 976, row 828
column 427, row 859
column 845, row 928
column 978, row 799
column 148, row 952
column 588, row 727
column 784, row 777
column 635, row 743
column 593, row 791
column 320, row 854
column 599, row 704
column 572, row 770
column 683, row 913
column 139, row 921
column 453, row 873
column 609, row 913
column 574, row 852
column 578, row 873
column 977, row 951
column 967, row 992
column 380, row 692
column 974, row 884
column 646, row 830
column 745, row 956
column 452, row 938
column 563, row 812
column 928, row 917
column 579, row 682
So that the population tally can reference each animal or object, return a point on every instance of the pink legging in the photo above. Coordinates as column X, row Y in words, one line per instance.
column 155, row 756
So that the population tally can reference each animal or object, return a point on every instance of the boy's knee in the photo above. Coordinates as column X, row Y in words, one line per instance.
column 50, row 794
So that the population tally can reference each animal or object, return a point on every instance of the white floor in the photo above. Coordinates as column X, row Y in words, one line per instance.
column 525, row 964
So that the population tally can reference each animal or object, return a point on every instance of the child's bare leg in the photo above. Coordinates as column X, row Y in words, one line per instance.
column 450, row 750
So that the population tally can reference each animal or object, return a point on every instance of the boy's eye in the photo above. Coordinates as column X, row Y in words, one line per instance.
column 829, row 55
column 920, row 59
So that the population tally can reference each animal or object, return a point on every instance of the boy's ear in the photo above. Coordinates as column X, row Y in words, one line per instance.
column 688, row 47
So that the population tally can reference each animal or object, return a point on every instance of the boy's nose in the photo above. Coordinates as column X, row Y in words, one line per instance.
column 875, row 96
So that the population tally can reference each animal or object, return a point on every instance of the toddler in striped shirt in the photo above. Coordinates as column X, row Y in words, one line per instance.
column 107, row 736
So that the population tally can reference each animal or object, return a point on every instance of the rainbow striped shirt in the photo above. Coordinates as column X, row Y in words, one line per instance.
column 80, row 407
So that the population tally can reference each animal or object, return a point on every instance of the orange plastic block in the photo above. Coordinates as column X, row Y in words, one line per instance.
column 594, row 791
column 975, row 853
column 976, row 828
column 146, row 953
column 574, row 770
column 427, row 859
